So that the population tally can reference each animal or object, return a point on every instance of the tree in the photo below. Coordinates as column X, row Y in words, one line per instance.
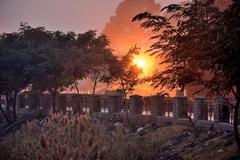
column 8, row 64
column 214, row 36
column 53, row 77
column 125, row 73
column 91, row 58
column 223, row 59
column 175, row 44
column 18, row 61
column 78, row 62
column 101, row 59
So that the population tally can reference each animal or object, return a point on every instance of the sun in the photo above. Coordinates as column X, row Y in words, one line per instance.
column 141, row 63
column 145, row 62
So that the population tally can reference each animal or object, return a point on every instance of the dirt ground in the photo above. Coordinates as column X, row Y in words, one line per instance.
column 184, row 143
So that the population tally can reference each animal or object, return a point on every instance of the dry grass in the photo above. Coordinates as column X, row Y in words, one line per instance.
column 69, row 137
column 77, row 137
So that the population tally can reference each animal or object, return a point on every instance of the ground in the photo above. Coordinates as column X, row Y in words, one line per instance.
column 76, row 137
column 186, row 144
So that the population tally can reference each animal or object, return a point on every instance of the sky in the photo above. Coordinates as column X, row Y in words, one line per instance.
column 65, row 15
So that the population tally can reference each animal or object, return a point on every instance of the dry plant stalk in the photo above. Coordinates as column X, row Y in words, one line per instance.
column 74, row 137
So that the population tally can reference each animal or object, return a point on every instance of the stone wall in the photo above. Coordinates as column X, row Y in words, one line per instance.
column 180, row 108
column 82, row 103
column 176, row 109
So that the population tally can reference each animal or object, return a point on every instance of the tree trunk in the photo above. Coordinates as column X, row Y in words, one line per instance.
column 182, row 89
column 94, row 85
column 7, row 109
column 125, row 100
column 78, row 95
column 54, row 102
column 14, row 106
column 5, row 115
column 126, row 106
column 235, row 122
column 77, row 89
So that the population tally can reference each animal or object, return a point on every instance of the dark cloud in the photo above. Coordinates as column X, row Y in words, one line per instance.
column 120, row 29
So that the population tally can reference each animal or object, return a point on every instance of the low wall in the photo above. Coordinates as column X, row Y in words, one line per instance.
column 159, row 120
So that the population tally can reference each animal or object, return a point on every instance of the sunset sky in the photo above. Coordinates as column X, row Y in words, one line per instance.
column 111, row 17
column 75, row 15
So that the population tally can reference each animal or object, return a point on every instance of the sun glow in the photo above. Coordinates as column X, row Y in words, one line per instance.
column 140, row 63
column 146, row 63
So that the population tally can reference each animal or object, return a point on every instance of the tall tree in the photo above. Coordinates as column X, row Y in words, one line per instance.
column 223, row 59
column 214, row 36
column 176, row 43
column 18, row 62
column 54, row 77
column 125, row 73
column 91, row 58
column 101, row 59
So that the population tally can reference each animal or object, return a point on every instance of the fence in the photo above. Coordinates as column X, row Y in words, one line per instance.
column 171, row 108
column 178, row 108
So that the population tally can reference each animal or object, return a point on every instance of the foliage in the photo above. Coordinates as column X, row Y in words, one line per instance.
column 204, row 40
column 79, row 137
column 178, row 44
column 125, row 73
column 101, row 58
column 19, row 61
column 50, row 61
column 223, row 60
column 90, row 58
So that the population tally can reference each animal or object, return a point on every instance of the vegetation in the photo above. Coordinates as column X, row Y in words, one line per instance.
column 200, row 47
column 73, row 137
column 125, row 73
column 204, row 40
column 38, row 60
column 179, row 45
column 79, row 137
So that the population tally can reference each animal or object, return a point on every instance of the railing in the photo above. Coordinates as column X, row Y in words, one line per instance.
column 201, row 109
column 190, row 109
column 210, row 111
column 168, row 108
column 177, row 107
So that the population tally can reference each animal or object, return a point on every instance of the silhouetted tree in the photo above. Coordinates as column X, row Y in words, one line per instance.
column 102, row 58
column 212, row 44
column 125, row 73
column 18, row 64
column 53, row 76
column 78, row 62
column 91, row 58
column 176, row 44
column 223, row 59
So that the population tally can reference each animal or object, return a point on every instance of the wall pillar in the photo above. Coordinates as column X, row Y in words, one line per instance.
column 200, row 108
column 136, row 104
column 158, row 105
column 221, row 110
column 180, row 107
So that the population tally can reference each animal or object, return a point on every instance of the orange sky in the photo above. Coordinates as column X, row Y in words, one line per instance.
column 82, row 15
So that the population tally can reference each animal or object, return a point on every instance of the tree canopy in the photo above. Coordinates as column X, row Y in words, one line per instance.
column 204, row 40
column 49, row 61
